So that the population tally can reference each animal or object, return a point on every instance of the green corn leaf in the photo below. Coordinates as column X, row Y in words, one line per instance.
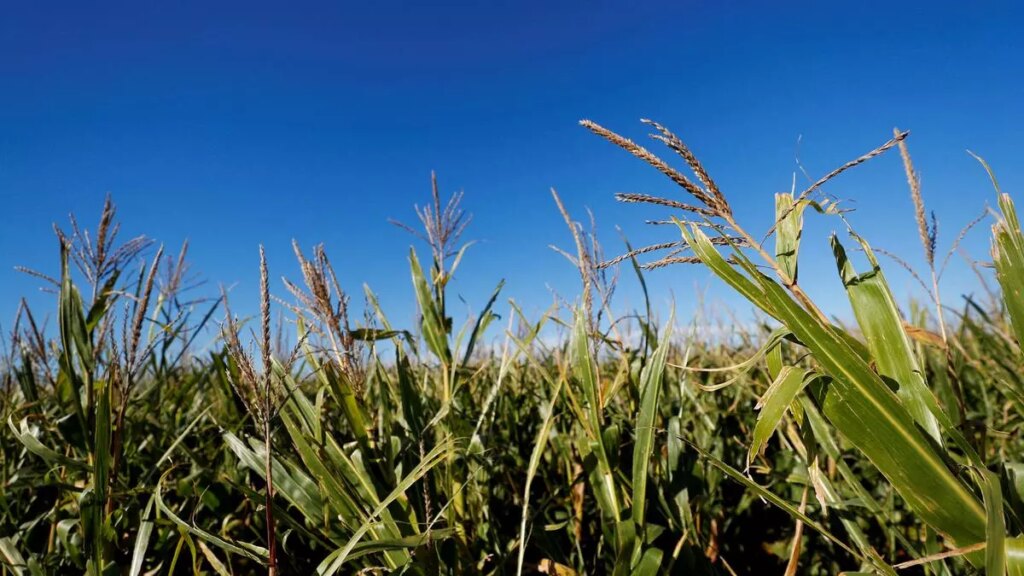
column 11, row 556
column 29, row 437
column 995, row 530
column 101, row 472
column 773, row 360
column 289, row 482
column 650, row 563
column 773, row 404
column 539, row 445
column 25, row 374
column 401, row 544
column 788, row 229
column 456, row 261
column 215, row 562
column 625, row 543
column 585, row 372
column 773, row 343
column 646, row 321
column 1015, row 556
column 482, row 321
column 335, row 496
column 339, row 385
column 142, row 539
column 73, row 336
column 434, row 325
column 1008, row 257
column 68, row 537
column 413, row 411
column 602, row 478
column 104, row 299
column 643, row 451
column 880, row 322
column 346, row 485
column 250, row 551
column 372, row 335
column 335, row 560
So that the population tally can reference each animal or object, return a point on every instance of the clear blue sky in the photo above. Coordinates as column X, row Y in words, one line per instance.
column 236, row 123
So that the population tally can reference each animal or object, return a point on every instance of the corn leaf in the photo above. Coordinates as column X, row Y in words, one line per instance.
column 335, row 560
column 880, row 322
column 788, row 229
column 773, row 404
column 433, row 323
column 650, row 392
column 1008, row 257
column 586, row 375
column 29, row 437
column 539, row 446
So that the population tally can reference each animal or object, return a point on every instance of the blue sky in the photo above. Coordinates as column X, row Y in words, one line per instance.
column 236, row 123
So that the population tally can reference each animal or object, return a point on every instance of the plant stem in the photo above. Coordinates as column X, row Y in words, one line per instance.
column 271, row 536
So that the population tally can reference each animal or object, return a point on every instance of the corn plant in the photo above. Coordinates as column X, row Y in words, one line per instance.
column 871, row 390
column 84, row 425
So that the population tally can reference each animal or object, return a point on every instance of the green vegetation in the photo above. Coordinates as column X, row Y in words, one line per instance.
column 625, row 445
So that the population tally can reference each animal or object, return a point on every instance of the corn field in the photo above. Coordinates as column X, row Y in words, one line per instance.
column 149, row 430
